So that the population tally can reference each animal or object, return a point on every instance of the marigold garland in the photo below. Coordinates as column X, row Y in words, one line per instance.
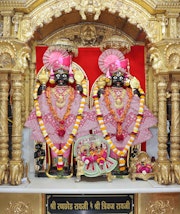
column 61, row 130
column 75, row 127
column 120, row 120
column 123, row 152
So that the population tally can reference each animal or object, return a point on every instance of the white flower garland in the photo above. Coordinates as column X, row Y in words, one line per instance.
column 76, row 124
column 103, row 128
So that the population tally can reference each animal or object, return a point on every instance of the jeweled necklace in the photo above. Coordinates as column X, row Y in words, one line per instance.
column 118, row 96
column 79, row 116
column 61, row 130
column 123, row 152
column 60, row 94
column 120, row 120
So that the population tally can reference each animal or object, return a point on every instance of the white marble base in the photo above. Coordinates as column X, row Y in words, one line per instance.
column 88, row 186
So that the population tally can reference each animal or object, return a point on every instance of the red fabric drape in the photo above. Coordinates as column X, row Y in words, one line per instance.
column 137, row 64
column 88, row 59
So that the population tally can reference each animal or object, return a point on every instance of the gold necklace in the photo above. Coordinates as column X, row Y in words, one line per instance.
column 120, row 120
column 60, row 94
column 61, row 130
column 118, row 94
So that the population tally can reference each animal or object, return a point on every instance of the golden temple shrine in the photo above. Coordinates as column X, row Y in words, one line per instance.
column 147, row 33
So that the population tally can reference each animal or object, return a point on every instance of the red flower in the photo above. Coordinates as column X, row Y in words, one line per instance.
column 61, row 132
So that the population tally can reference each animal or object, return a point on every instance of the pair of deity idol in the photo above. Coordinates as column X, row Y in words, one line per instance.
column 62, row 114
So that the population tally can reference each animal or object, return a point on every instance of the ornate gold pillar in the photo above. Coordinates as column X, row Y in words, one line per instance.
column 31, row 85
column 4, row 137
column 162, row 118
column 28, row 85
column 16, row 163
column 172, row 25
column 7, row 22
column 148, row 84
column 24, row 98
column 163, row 172
column 155, row 98
column 22, row 66
column 151, row 89
column 175, row 130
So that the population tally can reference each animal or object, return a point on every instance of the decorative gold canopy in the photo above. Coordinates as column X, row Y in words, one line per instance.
column 111, row 23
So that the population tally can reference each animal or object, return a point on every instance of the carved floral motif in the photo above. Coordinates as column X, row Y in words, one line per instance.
column 19, row 207
column 90, row 34
column 7, row 54
column 157, row 59
column 172, row 53
column 23, row 56
column 159, row 206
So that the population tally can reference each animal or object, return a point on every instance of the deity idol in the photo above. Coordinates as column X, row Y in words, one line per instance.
column 61, row 112
column 123, row 119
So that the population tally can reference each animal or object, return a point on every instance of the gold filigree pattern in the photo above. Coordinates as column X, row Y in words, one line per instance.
column 7, row 54
column 90, row 7
column 172, row 53
column 160, row 206
column 117, row 42
column 90, row 34
column 157, row 59
column 43, row 14
column 23, row 57
column 19, row 207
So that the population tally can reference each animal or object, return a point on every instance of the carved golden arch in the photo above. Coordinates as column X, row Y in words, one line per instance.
column 44, row 14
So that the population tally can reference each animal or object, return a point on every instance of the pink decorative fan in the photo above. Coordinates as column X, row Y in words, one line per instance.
column 54, row 59
column 111, row 60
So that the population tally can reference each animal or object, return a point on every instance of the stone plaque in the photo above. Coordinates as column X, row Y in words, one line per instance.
column 89, row 204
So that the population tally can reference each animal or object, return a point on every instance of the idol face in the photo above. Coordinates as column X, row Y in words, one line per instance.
column 117, row 79
column 61, row 78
